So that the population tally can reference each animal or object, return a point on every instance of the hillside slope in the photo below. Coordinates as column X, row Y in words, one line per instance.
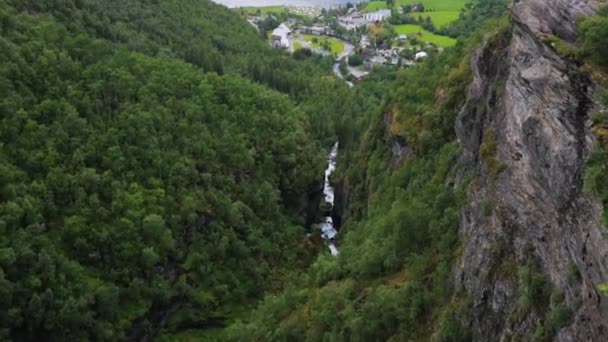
column 136, row 187
column 199, row 32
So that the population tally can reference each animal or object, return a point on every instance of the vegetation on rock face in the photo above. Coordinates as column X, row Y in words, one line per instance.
column 593, row 49
column 594, row 37
column 488, row 150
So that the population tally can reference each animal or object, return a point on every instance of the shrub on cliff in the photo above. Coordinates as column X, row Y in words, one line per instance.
column 594, row 37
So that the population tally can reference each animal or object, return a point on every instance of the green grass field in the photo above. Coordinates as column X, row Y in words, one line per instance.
column 437, row 5
column 336, row 46
column 434, row 5
column 439, row 18
column 443, row 11
column 263, row 10
column 425, row 36
column 373, row 6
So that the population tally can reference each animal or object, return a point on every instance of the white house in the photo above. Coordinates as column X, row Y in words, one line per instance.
column 352, row 21
column 365, row 43
column 420, row 55
column 378, row 60
column 280, row 36
column 379, row 15
column 357, row 74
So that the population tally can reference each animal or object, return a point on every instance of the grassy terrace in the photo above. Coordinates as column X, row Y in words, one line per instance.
column 437, row 5
column 336, row 45
column 294, row 10
column 373, row 6
column 441, row 12
column 439, row 18
column 424, row 35
column 263, row 10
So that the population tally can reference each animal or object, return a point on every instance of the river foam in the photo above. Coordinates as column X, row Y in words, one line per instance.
column 328, row 229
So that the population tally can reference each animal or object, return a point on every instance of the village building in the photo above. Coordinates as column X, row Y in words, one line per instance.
column 378, row 60
column 379, row 15
column 355, row 20
column 358, row 74
column 316, row 30
column 352, row 21
column 280, row 37
column 420, row 55
column 365, row 42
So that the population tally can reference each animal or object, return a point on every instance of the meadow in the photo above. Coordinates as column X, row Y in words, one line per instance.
column 373, row 6
column 336, row 45
column 439, row 18
column 263, row 10
column 424, row 35
column 441, row 12
column 436, row 5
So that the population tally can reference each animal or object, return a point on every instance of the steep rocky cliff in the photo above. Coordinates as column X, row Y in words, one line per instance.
column 533, row 251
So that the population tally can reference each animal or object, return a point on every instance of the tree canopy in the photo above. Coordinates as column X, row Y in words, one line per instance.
column 145, row 163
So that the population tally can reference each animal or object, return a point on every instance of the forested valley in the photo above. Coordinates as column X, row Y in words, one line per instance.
column 158, row 160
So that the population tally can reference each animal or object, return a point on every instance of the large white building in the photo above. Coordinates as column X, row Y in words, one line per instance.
column 280, row 37
column 421, row 55
column 356, row 20
column 379, row 15
column 352, row 21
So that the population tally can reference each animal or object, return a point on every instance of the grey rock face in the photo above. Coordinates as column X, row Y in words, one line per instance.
column 400, row 149
column 536, row 107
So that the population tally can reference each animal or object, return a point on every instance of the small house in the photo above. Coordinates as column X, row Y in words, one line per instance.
column 358, row 74
column 420, row 55
column 280, row 37
column 379, row 15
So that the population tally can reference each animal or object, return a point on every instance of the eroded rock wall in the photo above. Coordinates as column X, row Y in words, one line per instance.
column 525, row 132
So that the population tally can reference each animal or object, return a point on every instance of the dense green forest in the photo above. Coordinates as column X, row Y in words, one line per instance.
column 156, row 158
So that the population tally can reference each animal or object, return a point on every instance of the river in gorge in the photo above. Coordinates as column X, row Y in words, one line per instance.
column 328, row 229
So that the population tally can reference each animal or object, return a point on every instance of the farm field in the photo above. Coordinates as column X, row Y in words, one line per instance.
column 441, row 12
column 436, row 5
column 424, row 35
column 263, row 10
column 309, row 12
column 336, row 46
column 439, row 18
column 373, row 6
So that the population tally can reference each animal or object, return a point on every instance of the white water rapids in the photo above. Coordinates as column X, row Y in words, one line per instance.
column 327, row 227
